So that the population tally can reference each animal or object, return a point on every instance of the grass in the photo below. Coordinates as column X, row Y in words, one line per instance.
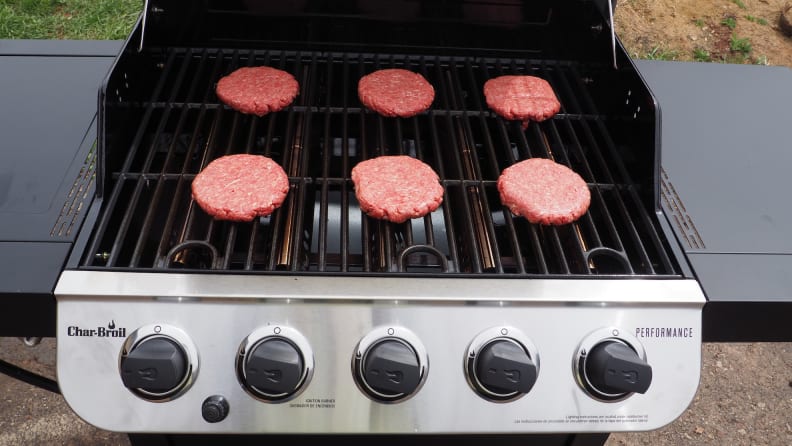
column 739, row 4
column 730, row 22
column 67, row 19
column 740, row 48
column 758, row 20
column 659, row 53
column 701, row 55
column 740, row 45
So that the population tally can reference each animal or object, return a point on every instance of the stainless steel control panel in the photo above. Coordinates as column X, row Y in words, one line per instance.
column 234, row 354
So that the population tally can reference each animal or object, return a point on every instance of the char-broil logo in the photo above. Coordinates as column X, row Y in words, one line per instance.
column 110, row 331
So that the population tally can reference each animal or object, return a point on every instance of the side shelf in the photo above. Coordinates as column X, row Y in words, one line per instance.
column 47, row 158
column 724, row 183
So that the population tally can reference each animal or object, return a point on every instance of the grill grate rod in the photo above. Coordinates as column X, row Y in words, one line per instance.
column 182, row 253
column 111, row 257
column 164, row 244
column 295, row 163
column 345, row 166
column 436, row 152
column 94, row 251
column 575, row 149
column 487, row 251
column 653, row 237
column 471, row 219
column 150, row 217
column 324, row 199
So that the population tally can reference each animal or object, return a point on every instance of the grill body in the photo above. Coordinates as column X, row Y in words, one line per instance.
column 334, row 314
column 153, row 264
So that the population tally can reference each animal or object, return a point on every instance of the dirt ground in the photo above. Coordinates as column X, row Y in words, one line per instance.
column 734, row 31
column 744, row 398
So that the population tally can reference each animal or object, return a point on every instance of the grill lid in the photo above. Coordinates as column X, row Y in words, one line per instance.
column 575, row 29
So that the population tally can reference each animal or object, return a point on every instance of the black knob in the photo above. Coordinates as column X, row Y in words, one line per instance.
column 503, row 367
column 214, row 409
column 156, row 365
column 391, row 368
column 614, row 368
column 274, row 367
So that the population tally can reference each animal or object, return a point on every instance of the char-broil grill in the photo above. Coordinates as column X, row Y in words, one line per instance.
column 318, row 319
column 318, row 323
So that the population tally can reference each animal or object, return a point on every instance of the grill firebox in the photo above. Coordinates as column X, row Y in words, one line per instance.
column 149, row 221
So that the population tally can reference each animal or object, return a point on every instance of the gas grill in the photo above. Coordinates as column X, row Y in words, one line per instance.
column 318, row 320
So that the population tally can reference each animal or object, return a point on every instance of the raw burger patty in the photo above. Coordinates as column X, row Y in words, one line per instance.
column 240, row 187
column 395, row 92
column 521, row 98
column 396, row 188
column 257, row 90
column 544, row 192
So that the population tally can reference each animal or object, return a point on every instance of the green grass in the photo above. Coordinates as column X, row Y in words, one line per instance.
column 67, row 19
column 701, row 55
column 758, row 20
column 659, row 53
column 740, row 50
column 729, row 22
column 699, row 22
column 739, row 4
column 740, row 45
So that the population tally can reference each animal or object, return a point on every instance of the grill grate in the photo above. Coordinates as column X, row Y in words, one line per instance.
column 150, row 222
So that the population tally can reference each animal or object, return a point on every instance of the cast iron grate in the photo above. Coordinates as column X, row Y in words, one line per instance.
column 150, row 222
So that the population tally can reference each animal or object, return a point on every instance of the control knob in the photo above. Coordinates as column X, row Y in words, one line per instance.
column 274, row 363
column 502, row 364
column 157, row 362
column 390, row 364
column 611, row 368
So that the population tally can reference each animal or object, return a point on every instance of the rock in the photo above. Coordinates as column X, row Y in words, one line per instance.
column 785, row 21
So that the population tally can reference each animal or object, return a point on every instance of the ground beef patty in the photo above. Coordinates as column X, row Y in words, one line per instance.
column 240, row 187
column 521, row 98
column 396, row 188
column 257, row 90
column 544, row 192
column 395, row 92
